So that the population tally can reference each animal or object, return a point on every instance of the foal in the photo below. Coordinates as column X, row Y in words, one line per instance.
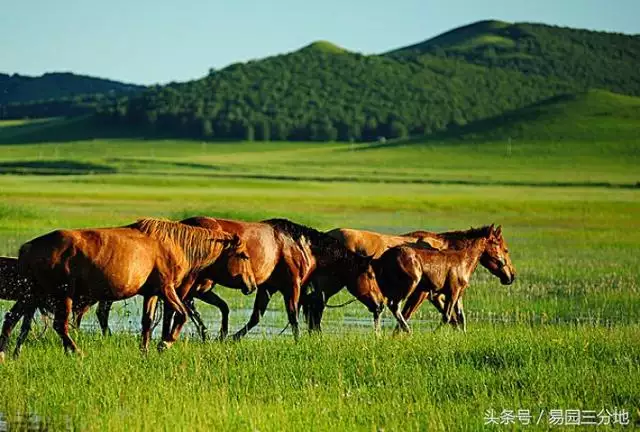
column 445, row 274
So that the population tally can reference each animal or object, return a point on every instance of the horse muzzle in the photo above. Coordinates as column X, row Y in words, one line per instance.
column 508, row 280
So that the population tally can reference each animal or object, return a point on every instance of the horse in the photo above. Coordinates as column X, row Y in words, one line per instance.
column 148, row 257
column 278, row 263
column 375, row 244
column 331, row 257
column 13, row 286
column 401, row 270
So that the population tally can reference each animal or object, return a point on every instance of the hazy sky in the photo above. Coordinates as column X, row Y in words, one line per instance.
column 146, row 42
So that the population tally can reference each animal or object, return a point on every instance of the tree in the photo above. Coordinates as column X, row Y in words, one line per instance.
column 397, row 130
column 207, row 128
column 249, row 134
column 263, row 130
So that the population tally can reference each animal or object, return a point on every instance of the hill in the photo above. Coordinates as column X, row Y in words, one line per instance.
column 55, row 94
column 588, row 58
column 595, row 115
column 323, row 92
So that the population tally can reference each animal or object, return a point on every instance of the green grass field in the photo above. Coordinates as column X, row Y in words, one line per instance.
column 564, row 336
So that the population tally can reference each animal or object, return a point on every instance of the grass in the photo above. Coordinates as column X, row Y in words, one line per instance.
column 564, row 336
column 434, row 381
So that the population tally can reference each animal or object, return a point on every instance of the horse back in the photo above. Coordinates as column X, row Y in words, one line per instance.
column 368, row 243
column 102, row 260
column 264, row 247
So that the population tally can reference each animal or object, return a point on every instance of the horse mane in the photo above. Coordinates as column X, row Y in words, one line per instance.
column 463, row 238
column 201, row 246
column 327, row 249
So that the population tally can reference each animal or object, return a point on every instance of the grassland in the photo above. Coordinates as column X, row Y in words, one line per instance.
column 565, row 336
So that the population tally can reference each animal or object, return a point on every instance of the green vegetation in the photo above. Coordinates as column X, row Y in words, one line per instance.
column 57, row 94
column 435, row 381
column 564, row 336
column 325, row 93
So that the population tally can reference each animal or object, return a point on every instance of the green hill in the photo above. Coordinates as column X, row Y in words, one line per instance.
column 595, row 115
column 589, row 59
column 323, row 92
column 21, row 88
column 57, row 94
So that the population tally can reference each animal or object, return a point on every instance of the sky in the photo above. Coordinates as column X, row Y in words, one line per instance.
column 159, row 41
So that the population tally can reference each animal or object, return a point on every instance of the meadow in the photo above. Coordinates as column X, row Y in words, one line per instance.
column 564, row 336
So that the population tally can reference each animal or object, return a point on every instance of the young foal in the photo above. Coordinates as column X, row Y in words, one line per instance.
column 402, row 270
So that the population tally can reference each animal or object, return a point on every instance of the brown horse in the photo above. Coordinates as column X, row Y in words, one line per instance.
column 335, row 261
column 13, row 286
column 402, row 270
column 375, row 244
column 149, row 257
column 278, row 263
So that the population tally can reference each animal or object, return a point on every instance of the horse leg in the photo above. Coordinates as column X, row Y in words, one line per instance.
column 394, row 307
column 179, row 321
column 291, row 304
column 61, row 323
column 259, row 307
column 450, row 303
column 196, row 318
column 148, row 314
column 459, row 310
column 214, row 299
column 104, row 308
column 79, row 314
column 10, row 319
column 439, row 300
column 412, row 304
column 27, row 319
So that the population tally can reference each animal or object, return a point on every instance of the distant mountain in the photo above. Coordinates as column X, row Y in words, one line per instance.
column 57, row 94
column 21, row 88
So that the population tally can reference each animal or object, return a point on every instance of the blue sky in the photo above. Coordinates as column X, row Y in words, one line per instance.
column 147, row 42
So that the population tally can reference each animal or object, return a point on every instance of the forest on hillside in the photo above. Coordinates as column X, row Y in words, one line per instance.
column 325, row 93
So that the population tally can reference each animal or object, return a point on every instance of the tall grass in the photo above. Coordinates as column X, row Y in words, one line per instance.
column 435, row 381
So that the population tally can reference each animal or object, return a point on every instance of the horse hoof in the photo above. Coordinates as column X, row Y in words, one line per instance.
column 2, row 356
column 163, row 346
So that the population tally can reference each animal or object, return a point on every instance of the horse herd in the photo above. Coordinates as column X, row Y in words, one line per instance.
column 68, row 271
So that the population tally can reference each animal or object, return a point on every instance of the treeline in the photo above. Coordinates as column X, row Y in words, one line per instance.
column 62, row 107
column 58, row 85
column 320, row 95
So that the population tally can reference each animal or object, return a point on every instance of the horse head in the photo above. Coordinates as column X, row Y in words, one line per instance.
column 496, row 256
column 239, row 264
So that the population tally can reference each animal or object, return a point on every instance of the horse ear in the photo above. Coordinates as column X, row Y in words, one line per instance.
column 492, row 228
column 499, row 231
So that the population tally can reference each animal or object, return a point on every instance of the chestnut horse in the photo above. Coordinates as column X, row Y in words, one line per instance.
column 402, row 270
column 375, row 244
column 331, row 257
column 148, row 257
column 278, row 263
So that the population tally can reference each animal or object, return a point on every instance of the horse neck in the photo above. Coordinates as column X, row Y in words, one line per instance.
column 201, row 247
column 465, row 259
column 471, row 254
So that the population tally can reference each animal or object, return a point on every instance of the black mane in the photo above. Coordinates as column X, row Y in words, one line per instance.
column 326, row 248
